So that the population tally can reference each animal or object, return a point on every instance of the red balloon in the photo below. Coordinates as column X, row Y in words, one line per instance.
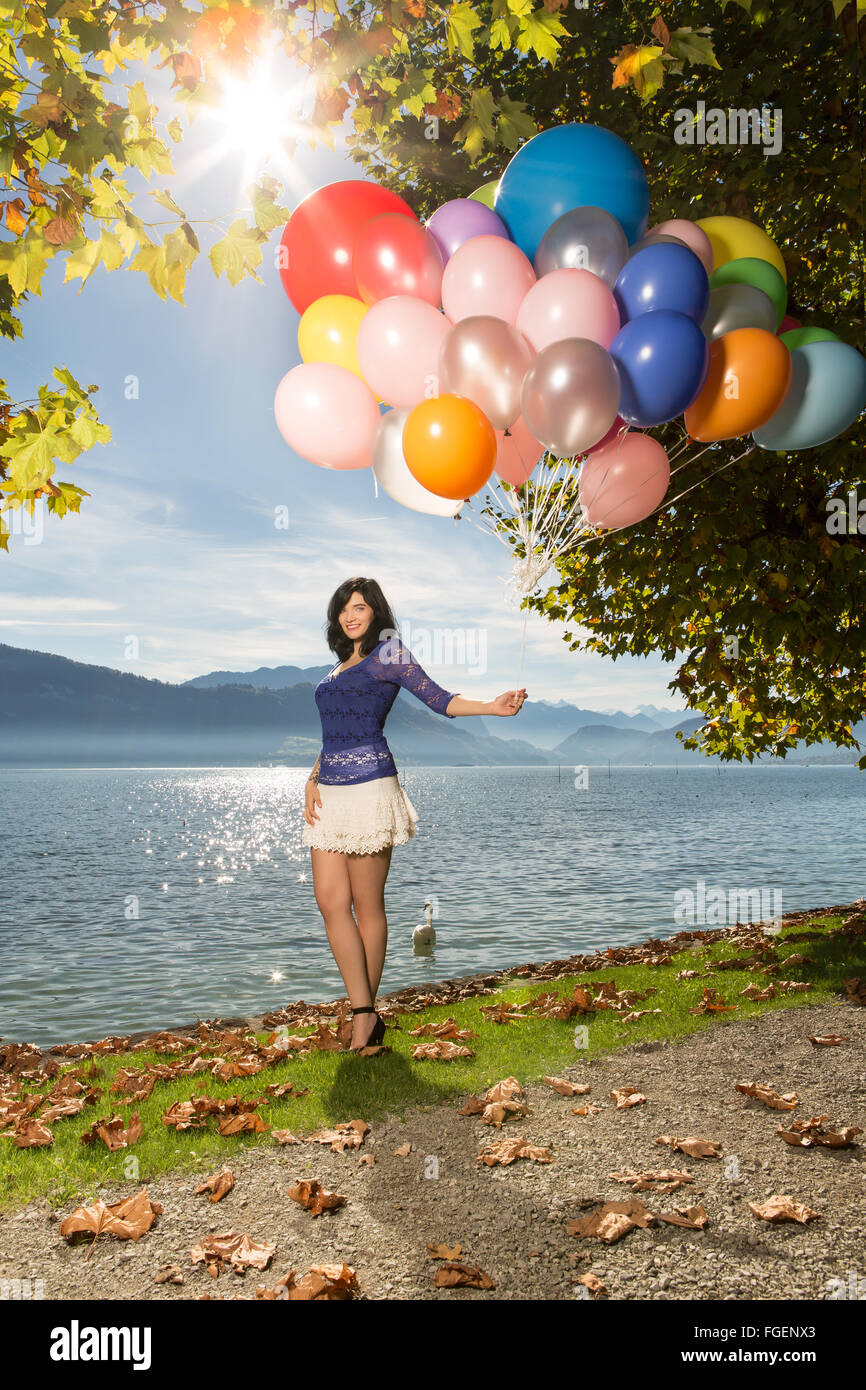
column 395, row 256
column 787, row 324
column 319, row 238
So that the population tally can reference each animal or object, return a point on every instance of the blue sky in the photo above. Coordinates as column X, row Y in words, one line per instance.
column 175, row 566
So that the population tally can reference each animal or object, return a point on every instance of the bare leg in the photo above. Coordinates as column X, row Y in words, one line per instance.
column 334, row 897
column 367, row 875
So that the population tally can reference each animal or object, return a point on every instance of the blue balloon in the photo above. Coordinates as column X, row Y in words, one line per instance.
column 663, row 276
column 571, row 166
column 662, row 359
column 826, row 395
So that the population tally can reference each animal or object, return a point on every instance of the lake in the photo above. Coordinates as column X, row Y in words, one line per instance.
column 138, row 898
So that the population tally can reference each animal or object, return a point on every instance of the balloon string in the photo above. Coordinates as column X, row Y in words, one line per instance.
column 522, row 646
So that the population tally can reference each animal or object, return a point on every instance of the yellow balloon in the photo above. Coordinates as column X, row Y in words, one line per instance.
column 328, row 331
column 732, row 238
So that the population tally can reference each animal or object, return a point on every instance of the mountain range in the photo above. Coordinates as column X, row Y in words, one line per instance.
column 58, row 712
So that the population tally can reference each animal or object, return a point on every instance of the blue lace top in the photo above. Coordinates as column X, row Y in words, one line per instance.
column 353, row 705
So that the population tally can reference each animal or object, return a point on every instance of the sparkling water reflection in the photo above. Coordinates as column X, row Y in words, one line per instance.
column 151, row 897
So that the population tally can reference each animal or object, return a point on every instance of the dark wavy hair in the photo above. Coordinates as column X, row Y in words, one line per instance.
column 382, row 624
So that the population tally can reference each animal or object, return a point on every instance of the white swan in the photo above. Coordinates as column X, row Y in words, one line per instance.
column 424, row 935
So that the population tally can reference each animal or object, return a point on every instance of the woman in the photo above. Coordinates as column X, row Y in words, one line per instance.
column 364, row 810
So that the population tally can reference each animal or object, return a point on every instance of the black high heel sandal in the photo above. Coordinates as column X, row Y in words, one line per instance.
column 378, row 1033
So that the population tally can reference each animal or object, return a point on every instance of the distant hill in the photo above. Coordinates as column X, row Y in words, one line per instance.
column 595, row 744
column 264, row 677
column 54, row 711
column 543, row 723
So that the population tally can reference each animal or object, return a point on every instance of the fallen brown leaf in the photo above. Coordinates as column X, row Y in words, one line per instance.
column 784, row 1208
column 691, row 1145
column 804, row 1133
column 612, row 1221
column 566, row 1087
column 593, row 1283
column 654, row 1179
column 313, row 1196
column 691, row 1218
column 452, row 1275
column 443, row 1252
column 31, row 1134
column 440, row 1050
column 234, row 1248
column 349, row 1135
column 217, row 1185
column 505, row 1151
column 113, row 1133
column 760, row 1091
column 626, row 1096
column 828, row 1040
column 128, row 1219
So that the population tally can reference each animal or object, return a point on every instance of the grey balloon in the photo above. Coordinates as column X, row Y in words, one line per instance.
column 654, row 239
column 571, row 396
column 738, row 306
column 583, row 239
column 486, row 359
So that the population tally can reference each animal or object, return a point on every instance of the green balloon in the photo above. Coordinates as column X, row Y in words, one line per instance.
column 485, row 193
column 796, row 337
column 749, row 270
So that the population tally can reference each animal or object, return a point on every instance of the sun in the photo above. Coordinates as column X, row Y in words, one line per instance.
column 258, row 113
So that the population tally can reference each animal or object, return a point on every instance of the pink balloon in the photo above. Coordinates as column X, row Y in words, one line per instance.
column 692, row 235
column 517, row 452
column 568, row 303
column 327, row 415
column 486, row 275
column 398, row 349
column 787, row 324
column 622, row 483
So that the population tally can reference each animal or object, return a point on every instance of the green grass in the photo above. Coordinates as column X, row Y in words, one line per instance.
column 343, row 1087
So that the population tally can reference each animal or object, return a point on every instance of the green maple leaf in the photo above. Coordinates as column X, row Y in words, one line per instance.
column 238, row 253
column 539, row 33
column 694, row 47
column 461, row 21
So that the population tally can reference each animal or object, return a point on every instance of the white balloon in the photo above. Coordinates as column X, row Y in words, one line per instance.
column 392, row 471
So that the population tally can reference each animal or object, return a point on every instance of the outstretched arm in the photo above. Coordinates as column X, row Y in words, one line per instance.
column 509, row 703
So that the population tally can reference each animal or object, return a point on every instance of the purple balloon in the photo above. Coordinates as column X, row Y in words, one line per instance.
column 458, row 221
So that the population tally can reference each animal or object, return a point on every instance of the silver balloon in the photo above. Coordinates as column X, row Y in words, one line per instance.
column 392, row 471
column 738, row 306
column 486, row 359
column 583, row 239
column 571, row 396
column 654, row 239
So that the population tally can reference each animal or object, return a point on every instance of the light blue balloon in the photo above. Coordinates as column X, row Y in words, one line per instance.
column 571, row 166
column 826, row 395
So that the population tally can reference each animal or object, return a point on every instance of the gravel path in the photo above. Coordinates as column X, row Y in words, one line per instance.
column 512, row 1221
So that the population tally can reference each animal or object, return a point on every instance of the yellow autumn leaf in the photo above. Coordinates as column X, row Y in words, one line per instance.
column 640, row 66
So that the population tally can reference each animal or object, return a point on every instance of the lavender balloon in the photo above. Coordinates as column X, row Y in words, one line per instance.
column 455, row 222
column 570, row 396
column 485, row 359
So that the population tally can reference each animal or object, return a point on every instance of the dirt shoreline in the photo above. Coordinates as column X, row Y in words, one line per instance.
column 416, row 1180
column 513, row 1222
column 414, row 997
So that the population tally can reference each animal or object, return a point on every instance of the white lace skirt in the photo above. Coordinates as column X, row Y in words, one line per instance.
column 361, row 818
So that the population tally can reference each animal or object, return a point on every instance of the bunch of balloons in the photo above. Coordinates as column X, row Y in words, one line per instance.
column 539, row 317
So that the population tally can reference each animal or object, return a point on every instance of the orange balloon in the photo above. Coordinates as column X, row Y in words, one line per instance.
column 748, row 378
column 449, row 446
